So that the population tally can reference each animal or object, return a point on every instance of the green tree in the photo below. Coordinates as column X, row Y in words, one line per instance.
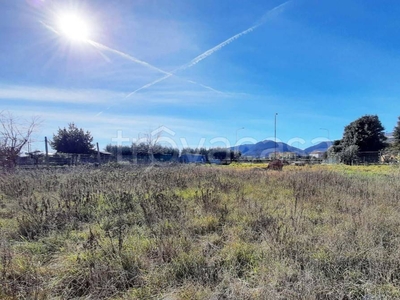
column 165, row 153
column 72, row 140
column 349, row 154
column 123, row 150
column 396, row 135
column 189, row 150
column 156, row 152
column 366, row 132
column 202, row 151
column 223, row 154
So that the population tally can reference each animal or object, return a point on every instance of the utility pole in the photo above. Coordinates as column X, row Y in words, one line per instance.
column 98, row 153
column 47, row 151
column 275, row 133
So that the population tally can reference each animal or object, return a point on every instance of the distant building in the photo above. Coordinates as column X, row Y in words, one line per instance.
column 104, row 154
column 274, row 155
column 317, row 154
column 288, row 155
column 283, row 155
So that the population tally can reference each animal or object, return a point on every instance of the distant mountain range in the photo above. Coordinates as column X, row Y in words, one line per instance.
column 323, row 146
column 265, row 148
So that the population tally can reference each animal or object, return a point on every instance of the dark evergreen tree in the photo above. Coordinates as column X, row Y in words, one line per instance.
column 223, row 154
column 72, row 140
column 188, row 150
column 366, row 132
column 396, row 135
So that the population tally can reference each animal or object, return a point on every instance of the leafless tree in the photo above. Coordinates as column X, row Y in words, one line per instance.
column 149, row 143
column 14, row 135
column 152, row 140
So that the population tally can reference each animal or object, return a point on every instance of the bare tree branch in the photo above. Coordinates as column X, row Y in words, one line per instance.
column 15, row 133
column 151, row 140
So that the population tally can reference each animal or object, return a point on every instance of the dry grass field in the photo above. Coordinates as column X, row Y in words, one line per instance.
column 201, row 232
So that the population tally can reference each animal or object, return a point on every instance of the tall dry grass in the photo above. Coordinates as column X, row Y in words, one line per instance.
column 193, row 232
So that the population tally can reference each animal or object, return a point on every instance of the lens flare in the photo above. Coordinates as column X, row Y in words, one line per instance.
column 74, row 27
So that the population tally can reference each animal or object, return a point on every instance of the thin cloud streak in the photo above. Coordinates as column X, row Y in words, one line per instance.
column 44, row 94
column 113, row 122
column 37, row 94
column 211, row 51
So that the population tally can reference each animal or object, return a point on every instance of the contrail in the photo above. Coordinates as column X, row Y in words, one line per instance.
column 211, row 51
column 206, row 87
column 120, row 53
column 190, row 64
column 131, row 58
column 49, row 27
column 168, row 76
column 216, row 48
column 231, row 39
column 148, row 85
column 127, row 56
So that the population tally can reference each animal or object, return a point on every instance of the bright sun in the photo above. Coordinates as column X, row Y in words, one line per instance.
column 74, row 27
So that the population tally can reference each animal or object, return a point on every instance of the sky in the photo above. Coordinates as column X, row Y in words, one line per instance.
column 201, row 73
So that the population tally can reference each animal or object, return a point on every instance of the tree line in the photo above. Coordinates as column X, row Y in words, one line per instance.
column 145, row 151
column 366, row 134
column 76, row 140
column 15, row 134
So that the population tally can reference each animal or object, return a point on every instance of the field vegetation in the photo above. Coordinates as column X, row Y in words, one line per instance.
column 200, row 232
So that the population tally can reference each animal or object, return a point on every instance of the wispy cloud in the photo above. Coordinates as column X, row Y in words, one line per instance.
column 40, row 94
column 105, row 126
column 45, row 94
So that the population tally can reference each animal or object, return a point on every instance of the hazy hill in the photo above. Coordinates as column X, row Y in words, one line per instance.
column 323, row 146
column 264, row 148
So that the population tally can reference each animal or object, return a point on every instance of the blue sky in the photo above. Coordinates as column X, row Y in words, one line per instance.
column 318, row 64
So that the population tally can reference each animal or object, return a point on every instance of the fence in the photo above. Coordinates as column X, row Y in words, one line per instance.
column 37, row 161
column 61, row 160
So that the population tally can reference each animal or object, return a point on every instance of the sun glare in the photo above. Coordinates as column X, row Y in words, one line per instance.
column 74, row 27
